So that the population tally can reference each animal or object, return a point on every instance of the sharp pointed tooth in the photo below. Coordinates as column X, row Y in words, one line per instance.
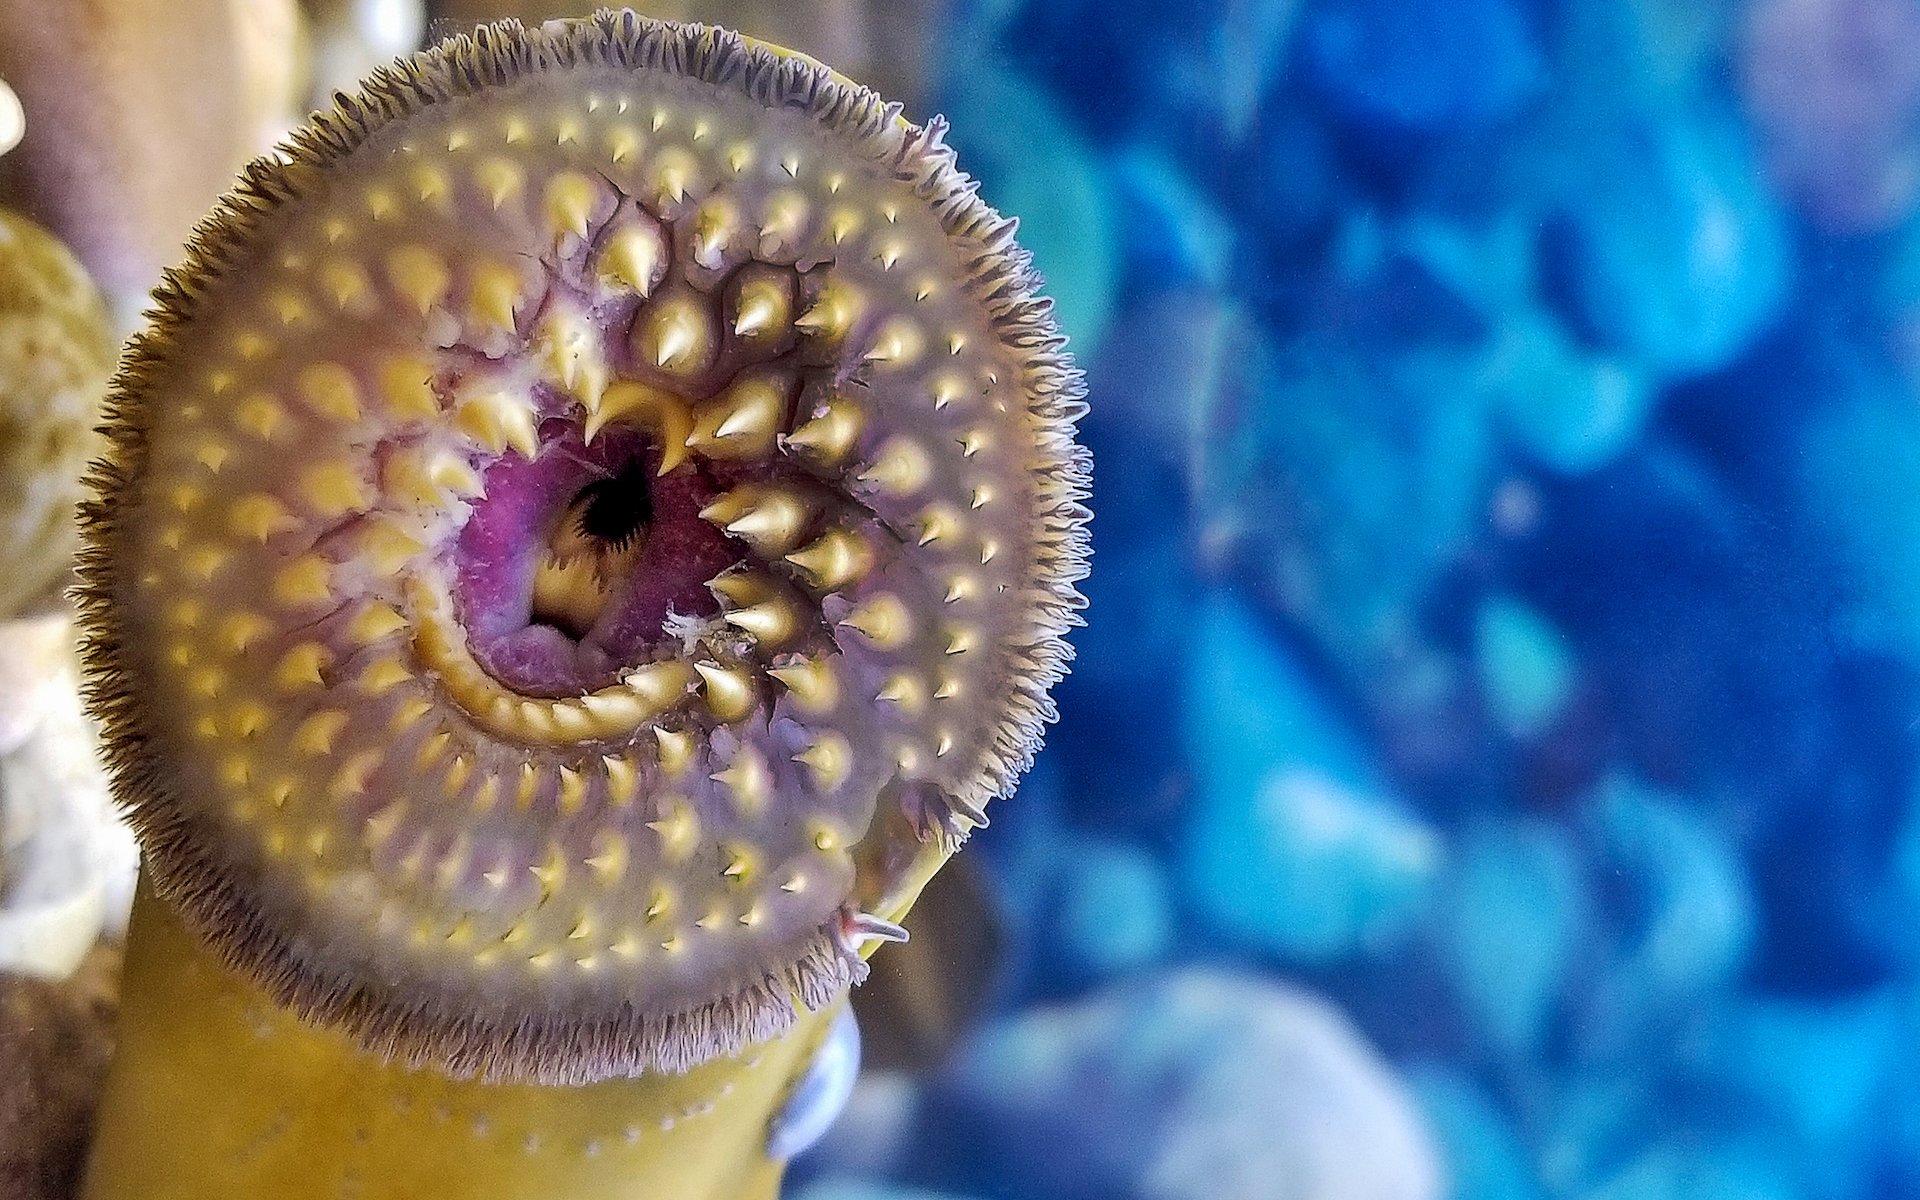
column 961, row 587
column 330, row 391
column 771, row 623
column 741, row 587
column 676, row 749
column 882, row 620
column 420, row 275
column 498, row 420
column 635, row 257
column 660, row 413
column 939, row 523
column 772, row 524
column 335, row 489
column 659, row 684
column 729, row 690
column 948, row 689
column 829, row 760
column 837, row 558
column 863, row 927
column 829, row 436
column 623, row 780
column 764, row 305
column 570, row 199
column 900, row 468
column 713, row 231
column 832, row 313
column 785, row 222
column 300, row 666
column 500, row 180
column 743, row 422
column 810, row 682
column 406, row 387
column 748, row 779
column 677, row 335
column 573, row 357
column 615, row 710
column 679, row 829
column 259, row 517
column 898, row 343
column 961, row 640
column 905, row 690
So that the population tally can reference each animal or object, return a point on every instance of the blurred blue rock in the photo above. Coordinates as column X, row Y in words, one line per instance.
column 1566, row 407
column 1295, row 846
column 1422, row 65
column 1483, row 1157
column 1111, row 912
column 842, row 1187
column 1818, row 1069
column 1663, row 246
column 1685, row 918
column 1197, row 1085
column 1031, row 159
column 1513, row 918
column 1527, row 671
column 1172, row 236
column 1696, row 1169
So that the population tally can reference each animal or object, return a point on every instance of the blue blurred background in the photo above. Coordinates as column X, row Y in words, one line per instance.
column 1490, row 767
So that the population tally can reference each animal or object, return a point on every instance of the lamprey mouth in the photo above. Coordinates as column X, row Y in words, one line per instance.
column 589, row 529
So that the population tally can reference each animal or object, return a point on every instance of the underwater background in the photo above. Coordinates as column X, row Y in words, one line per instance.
column 1490, row 766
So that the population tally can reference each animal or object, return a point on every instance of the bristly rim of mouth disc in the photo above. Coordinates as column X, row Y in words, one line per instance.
column 920, row 822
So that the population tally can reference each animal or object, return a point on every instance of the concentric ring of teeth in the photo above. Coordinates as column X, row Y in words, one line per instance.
column 772, row 366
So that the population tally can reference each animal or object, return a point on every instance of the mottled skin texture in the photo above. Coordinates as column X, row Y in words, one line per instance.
column 603, row 518
column 56, row 351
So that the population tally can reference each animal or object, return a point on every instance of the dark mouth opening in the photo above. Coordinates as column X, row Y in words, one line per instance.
column 572, row 561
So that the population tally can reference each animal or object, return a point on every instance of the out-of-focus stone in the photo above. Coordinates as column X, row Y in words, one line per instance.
column 1423, row 65
column 55, row 1042
column 56, row 352
column 1294, row 845
column 139, row 113
column 1198, row 1085
column 1527, row 671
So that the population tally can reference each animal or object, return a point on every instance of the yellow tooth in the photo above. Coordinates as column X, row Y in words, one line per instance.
column 660, row 413
column 375, row 622
column 810, row 682
column 317, row 733
column 743, row 422
column 260, row 516
column 833, row 312
column 785, row 221
column 829, row 436
column 739, row 864
column 747, row 779
column 946, row 390
column 672, row 173
column 334, row 489
column 260, row 415
column 888, row 254
column 213, row 455
column 677, row 335
column 615, row 711
column 609, row 860
column 829, row 760
column 842, row 225
column 498, row 420
column 972, row 442
column 679, row 830
column 837, row 558
column 420, row 275
column 430, row 477
column 960, row 588
column 713, row 230
column 741, row 587
column 939, row 523
column 431, row 185
column 659, row 684
column 493, row 294
column 241, row 630
column 384, row 674
column 329, row 390
column 623, row 781
column 772, row 523
column 622, row 144
column 432, row 750
column 386, row 547
column 347, row 284
column 961, row 640
column 573, row 790
column 901, row 467
column 770, row 623
column 635, row 257
column 764, row 304
column 573, row 358
column 676, row 749
column 570, row 198
column 898, row 343
column 206, row 561
column 982, row 496
column 906, row 691
column 406, row 387
column 882, row 620
column 500, row 180
column 729, row 691
column 948, row 689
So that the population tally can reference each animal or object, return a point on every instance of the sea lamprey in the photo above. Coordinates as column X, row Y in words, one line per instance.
column 588, row 530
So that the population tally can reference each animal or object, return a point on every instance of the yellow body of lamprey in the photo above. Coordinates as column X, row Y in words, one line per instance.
column 216, row 1094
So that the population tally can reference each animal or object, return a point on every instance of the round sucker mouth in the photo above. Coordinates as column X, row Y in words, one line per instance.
column 585, row 535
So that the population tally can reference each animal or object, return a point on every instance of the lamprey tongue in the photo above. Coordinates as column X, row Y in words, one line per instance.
column 587, row 531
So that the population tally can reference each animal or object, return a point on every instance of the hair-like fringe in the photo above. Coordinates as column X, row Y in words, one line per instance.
column 544, row 1046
